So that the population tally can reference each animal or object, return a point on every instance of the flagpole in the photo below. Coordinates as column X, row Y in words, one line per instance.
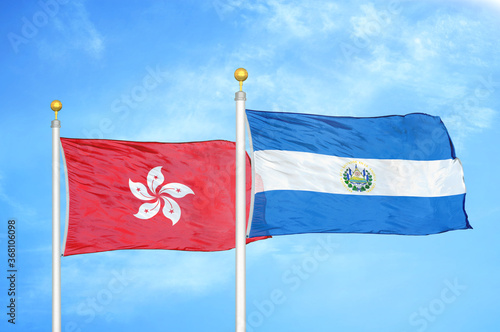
column 56, row 221
column 240, row 97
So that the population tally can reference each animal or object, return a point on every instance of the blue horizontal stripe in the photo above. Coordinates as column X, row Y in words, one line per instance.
column 283, row 212
column 413, row 137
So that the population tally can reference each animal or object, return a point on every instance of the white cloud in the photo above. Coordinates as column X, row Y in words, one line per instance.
column 414, row 57
column 372, row 23
column 288, row 19
column 422, row 49
column 193, row 104
column 435, row 60
column 121, row 281
column 18, row 208
column 491, row 4
column 78, row 32
column 168, row 271
column 463, row 122
column 84, row 34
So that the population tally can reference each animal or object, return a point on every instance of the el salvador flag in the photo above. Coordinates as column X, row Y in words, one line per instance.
column 384, row 175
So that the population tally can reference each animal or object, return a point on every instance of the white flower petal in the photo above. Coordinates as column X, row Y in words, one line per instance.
column 139, row 190
column 148, row 210
column 171, row 210
column 155, row 178
column 176, row 190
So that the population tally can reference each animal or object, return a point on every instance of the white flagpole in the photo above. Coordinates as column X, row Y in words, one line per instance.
column 56, row 221
column 240, row 97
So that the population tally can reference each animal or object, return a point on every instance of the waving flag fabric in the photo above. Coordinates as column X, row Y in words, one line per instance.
column 390, row 175
column 143, row 195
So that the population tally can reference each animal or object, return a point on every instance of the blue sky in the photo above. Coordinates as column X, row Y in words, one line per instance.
column 354, row 58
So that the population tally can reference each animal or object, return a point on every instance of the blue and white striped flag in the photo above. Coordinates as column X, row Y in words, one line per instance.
column 322, row 174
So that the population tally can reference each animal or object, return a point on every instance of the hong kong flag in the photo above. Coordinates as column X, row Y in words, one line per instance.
column 148, row 195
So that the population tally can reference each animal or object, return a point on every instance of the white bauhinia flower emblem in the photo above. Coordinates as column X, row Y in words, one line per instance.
column 171, row 209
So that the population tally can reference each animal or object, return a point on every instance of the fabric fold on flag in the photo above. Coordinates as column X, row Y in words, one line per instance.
column 149, row 195
column 324, row 174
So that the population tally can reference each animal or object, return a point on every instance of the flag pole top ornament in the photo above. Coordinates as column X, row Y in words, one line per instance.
column 241, row 74
column 56, row 106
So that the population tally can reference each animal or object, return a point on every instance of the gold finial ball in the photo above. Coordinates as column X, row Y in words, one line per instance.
column 56, row 105
column 241, row 74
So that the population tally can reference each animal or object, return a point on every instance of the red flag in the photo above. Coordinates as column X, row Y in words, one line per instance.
column 147, row 195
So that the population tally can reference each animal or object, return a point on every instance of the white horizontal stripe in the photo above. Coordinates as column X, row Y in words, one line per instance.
column 290, row 170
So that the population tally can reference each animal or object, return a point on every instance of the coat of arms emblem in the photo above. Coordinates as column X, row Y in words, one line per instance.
column 358, row 177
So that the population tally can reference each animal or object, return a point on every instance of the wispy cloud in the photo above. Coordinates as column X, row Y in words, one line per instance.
column 17, row 208
column 118, row 283
column 437, row 62
column 300, row 19
column 184, row 272
column 288, row 19
column 74, row 31
column 491, row 4
column 83, row 33
column 394, row 56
